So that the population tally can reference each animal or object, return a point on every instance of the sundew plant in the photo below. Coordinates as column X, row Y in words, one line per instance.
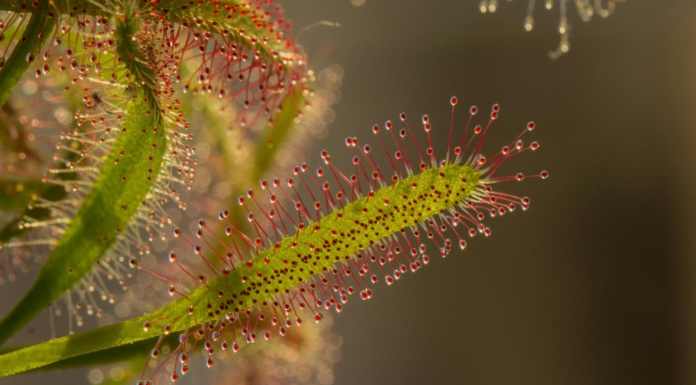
column 118, row 109
column 586, row 10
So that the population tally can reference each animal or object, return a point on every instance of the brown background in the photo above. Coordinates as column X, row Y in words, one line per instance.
column 595, row 284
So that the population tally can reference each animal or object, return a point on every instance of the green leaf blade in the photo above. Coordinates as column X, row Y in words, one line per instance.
column 230, row 288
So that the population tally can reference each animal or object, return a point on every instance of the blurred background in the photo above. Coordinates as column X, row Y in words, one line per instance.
column 596, row 283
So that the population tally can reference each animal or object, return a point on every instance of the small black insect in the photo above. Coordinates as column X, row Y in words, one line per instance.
column 98, row 101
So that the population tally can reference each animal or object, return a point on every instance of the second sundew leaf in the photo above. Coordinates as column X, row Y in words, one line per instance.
column 114, row 198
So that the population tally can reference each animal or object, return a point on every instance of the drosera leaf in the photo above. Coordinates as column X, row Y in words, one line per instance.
column 585, row 10
column 366, row 223
column 107, row 208
column 39, row 29
column 177, row 314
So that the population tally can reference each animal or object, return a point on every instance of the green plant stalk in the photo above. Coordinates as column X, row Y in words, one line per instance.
column 268, row 146
column 38, row 30
column 234, row 290
column 92, row 231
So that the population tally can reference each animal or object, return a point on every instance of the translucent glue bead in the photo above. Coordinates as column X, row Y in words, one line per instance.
column 182, row 358
column 288, row 323
column 183, row 369
column 462, row 244
column 140, row 382
column 529, row 23
column 146, row 326
column 209, row 362
column 281, row 331
column 544, row 174
column 389, row 280
column 339, row 308
column 426, row 259
column 563, row 26
column 154, row 353
column 318, row 317
column 173, row 377
column 235, row 347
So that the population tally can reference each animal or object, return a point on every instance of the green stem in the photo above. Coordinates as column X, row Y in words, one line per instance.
column 37, row 32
